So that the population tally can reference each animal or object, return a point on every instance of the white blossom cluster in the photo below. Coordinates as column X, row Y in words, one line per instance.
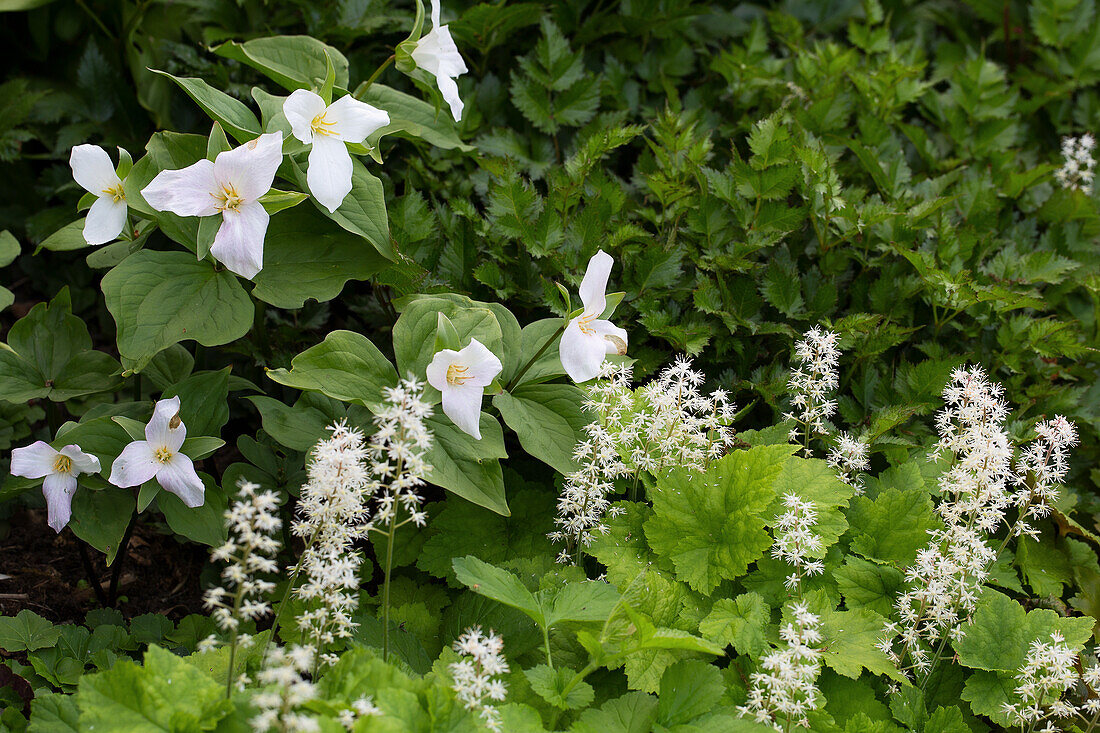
column 1040, row 471
column 364, row 707
column 476, row 674
column 1049, row 672
column 1077, row 172
column 849, row 458
column 795, row 540
column 785, row 691
column 286, row 688
column 812, row 385
column 249, row 551
column 396, row 453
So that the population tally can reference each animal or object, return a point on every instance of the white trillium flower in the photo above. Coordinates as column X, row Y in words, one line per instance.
column 59, row 468
column 437, row 54
column 93, row 170
column 328, row 128
column 159, row 456
column 588, row 339
column 462, row 377
column 231, row 185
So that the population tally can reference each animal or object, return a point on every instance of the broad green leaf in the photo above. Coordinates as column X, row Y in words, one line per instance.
column 413, row 117
column 231, row 113
column 292, row 62
column 100, row 517
column 498, row 584
column 414, row 332
column 204, row 524
column 548, row 419
column 689, row 689
column 550, row 684
column 345, row 366
column 634, row 712
column 740, row 622
column 893, row 526
column 468, row 467
column 850, row 639
column 53, row 712
column 590, row 600
column 204, row 406
column 865, row 584
column 363, row 211
column 814, row 480
column 67, row 238
column 26, row 631
column 161, row 298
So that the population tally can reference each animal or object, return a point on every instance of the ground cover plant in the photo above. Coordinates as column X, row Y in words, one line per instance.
column 577, row 366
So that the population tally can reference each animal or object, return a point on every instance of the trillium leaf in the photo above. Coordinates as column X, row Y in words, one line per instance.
column 468, row 467
column 548, row 419
column 346, row 366
column 550, row 683
column 498, row 584
column 100, row 517
column 67, row 238
column 166, row 151
column 231, row 113
column 162, row 298
column 204, row 524
column 414, row 332
column 292, row 62
column 413, row 117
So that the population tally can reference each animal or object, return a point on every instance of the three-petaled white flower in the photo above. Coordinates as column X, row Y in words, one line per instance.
column 437, row 54
column 60, row 469
column 588, row 339
column 93, row 170
column 159, row 456
column 462, row 377
column 328, row 128
column 231, row 185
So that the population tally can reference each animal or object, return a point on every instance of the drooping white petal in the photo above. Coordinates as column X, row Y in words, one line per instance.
column 594, row 286
column 581, row 353
column 239, row 243
column 249, row 169
column 189, row 191
column 353, row 120
column 82, row 462
column 483, row 365
column 614, row 338
column 58, row 488
column 463, row 405
column 92, row 169
column 437, row 54
column 105, row 220
column 178, row 476
column 329, row 174
column 134, row 466
column 33, row 461
column 301, row 108
column 159, row 431
column 435, row 13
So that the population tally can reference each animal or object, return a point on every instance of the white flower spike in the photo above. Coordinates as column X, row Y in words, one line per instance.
column 327, row 129
column 588, row 338
column 93, row 170
column 437, row 54
column 231, row 185
column 59, row 468
column 159, row 456
column 462, row 377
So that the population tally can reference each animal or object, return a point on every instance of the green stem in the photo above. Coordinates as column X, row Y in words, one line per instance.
column 286, row 594
column 546, row 642
column 386, row 587
column 362, row 88
column 542, row 350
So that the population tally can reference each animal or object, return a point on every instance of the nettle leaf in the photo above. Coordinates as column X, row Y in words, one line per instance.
column 739, row 622
column 550, row 683
column 893, row 526
column 548, row 419
column 162, row 298
column 712, row 525
column 26, row 631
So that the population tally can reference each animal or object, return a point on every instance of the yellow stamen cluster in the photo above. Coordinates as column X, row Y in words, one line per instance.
column 228, row 198
column 116, row 193
column 162, row 454
column 321, row 126
column 456, row 374
column 63, row 464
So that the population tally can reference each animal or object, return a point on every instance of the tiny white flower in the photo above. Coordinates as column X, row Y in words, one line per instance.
column 327, row 129
column 59, row 468
column 462, row 377
column 588, row 339
column 159, row 456
column 93, row 170
column 437, row 54
column 231, row 185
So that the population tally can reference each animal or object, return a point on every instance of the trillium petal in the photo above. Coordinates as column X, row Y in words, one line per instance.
column 581, row 353
column 58, row 488
column 159, row 431
column 614, row 338
column 239, row 243
column 483, row 364
column 250, row 168
column 463, row 405
column 437, row 370
column 33, row 461
column 188, row 191
column 594, row 286
column 435, row 13
column 82, row 462
column 105, row 220
column 437, row 54
column 329, row 174
column 301, row 108
column 353, row 120
column 92, row 168
column 179, row 477
column 134, row 466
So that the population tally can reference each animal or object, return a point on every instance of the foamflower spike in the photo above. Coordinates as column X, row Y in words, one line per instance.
column 328, row 129
column 462, row 377
column 59, row 468
column 231, row 186
column 588, row 339
column 93, row 170
column 437, row 54
column 158, row 456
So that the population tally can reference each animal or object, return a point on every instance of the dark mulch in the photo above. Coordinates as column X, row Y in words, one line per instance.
column 158, row 575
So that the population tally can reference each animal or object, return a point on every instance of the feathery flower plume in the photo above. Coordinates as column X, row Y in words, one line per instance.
column 848, row 457
column 1042, row 467
column 1048, row 673
column 475, row 675
column 785, row 691
column 812, row 384
column 1077, row 172
column 285, row 690
column 795, row 540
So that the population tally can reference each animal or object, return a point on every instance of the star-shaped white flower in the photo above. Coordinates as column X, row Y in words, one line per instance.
column 59, row 468
column 437, row 54
column 231, row 185
column 462, row 377
column 588, row 339
column 159, row 456
column 327, row 129
column 93, row 170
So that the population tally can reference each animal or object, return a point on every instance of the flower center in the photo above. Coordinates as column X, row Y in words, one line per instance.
column 63, row 464
column 162, row 454
column 456, row 374
column 116, row 193
column 228, row 198
column 585, row 323
column 321, row 126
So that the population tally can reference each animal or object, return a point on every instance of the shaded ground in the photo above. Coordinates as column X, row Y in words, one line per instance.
column 42, row 571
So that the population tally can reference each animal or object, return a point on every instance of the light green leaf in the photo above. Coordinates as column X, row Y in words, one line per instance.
column 292, row 62
column 893, row 526
column 26, row 631
column 550, row 682
column 740, row 622
column 548, row 419
column 498, row 584
column 850, row 644
column 865, row 584
column 689, row 689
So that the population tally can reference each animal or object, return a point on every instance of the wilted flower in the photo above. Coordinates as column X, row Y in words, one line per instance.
column 462, row 376
column 93, row 170
column 588, row 339
column 159, row 456
column 59, row 468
